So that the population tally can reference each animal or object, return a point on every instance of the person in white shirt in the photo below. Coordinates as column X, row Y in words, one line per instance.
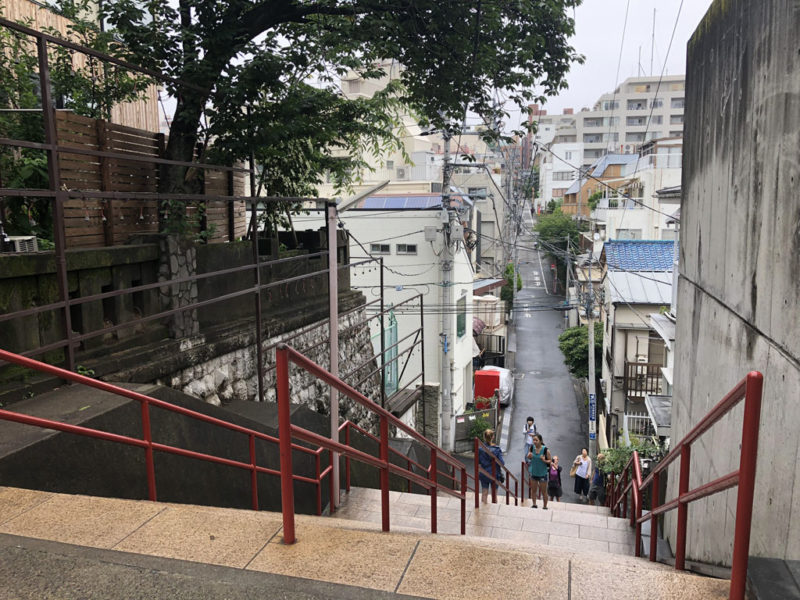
column 583, row 473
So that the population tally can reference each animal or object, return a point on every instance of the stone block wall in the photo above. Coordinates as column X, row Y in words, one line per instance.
column 233, row 376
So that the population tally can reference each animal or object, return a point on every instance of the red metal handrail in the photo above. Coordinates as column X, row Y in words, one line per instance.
column 284, row 355
column 147, row 443
column 748, row 389
column 494, row 482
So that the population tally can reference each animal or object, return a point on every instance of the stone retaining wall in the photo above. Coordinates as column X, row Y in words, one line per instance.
column 233, row 376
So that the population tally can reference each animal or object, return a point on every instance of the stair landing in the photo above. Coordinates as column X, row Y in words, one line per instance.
column 329, row 550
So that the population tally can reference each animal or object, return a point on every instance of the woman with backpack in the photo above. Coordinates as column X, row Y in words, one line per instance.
column 489, row 464
column 537, row 468
column 554, row 480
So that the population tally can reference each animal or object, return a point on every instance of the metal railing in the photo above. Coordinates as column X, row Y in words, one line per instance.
column 287, row 431
column 150, row 446
column 494, row 481
column 631, row 483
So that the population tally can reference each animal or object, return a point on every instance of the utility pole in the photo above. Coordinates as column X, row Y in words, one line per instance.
column 446, row 268
column 566, row 288
column 592, row 394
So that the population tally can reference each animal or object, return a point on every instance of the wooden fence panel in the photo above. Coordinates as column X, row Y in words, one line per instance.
column 106, row 222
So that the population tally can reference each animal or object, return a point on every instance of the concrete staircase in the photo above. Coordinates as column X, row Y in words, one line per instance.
column 570, row 526
column 66, row 546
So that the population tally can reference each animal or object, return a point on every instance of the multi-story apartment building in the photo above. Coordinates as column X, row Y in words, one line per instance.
column 619, row 122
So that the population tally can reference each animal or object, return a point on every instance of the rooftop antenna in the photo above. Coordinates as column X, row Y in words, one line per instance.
column 652, row 42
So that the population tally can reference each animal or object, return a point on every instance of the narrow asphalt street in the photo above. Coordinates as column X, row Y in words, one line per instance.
column 544, row 388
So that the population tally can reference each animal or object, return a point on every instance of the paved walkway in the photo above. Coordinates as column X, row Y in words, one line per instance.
column 336, row 551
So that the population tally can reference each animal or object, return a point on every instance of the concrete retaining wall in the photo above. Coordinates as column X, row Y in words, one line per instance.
column 739, row 288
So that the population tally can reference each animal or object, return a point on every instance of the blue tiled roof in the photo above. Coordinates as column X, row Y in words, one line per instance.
column 639, row 255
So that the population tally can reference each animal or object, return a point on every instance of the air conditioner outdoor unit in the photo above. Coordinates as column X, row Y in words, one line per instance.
column 23, row 243
column 401, row 173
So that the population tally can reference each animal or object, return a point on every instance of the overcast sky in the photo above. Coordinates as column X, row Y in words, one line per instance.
column 598, row 36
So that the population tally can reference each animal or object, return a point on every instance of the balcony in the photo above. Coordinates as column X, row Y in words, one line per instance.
column 641, row 380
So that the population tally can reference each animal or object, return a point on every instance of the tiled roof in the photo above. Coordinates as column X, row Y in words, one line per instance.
column 639, row 255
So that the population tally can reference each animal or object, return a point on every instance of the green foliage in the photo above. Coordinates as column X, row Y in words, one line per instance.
column 506, row 292
column 594, row 199
column 616, row 458
column 574, row 344
column 22, row 167
column 86, row 372
column 478, row 427
column 282, row 60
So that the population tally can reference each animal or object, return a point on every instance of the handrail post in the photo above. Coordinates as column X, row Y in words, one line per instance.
column 331, row 490
column 638, row 515
column 408, row 466
column 254, row 472
column 654, row 502
column 432, row 477
column 285, row 441
column 346, row 462
column 624, row 494
column 522, row 480
column 319, row 485
column 516, row 492
column 148, row 452
column 477, row 476
column 747, row 481
column 384, row 473
column 683, row 509
column 493, row 482
column 464, row 500
column 506, row 484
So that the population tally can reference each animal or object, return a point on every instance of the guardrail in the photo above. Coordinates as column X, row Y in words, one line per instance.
column 287, row 431
column 150, row 446
column 748, row 389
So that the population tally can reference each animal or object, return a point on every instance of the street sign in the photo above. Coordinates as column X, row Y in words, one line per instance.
column 592, row 436
column 592, row 408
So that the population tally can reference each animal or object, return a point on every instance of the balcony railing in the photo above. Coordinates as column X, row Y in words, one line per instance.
column 642, row 379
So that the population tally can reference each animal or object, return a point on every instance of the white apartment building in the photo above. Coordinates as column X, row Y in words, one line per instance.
column 619, row 218
column 619, row 122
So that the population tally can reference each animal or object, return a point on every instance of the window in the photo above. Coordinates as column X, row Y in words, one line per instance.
column 610, row 121
column 635, row 137
column 461, row 317
column 656, row 119
column 678, row 86
column 558, row 192
column 390, row 164
column 563, row 176
column 676, row 120
column 380, row 249
column 636, row 121
column 608, row 105
column 676, row 134
column 637, row 104
column 656, row 103
column 677, row 103
column 567, row 155
column 629, row 234
column 354, row 86
column 611, row 137
column 406, row 248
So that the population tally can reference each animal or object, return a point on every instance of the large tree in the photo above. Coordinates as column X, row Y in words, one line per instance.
column 261, row 76
column 230, row 53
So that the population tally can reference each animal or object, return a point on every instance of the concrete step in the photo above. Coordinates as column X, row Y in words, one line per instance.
column 337, row 551
column 572, row 526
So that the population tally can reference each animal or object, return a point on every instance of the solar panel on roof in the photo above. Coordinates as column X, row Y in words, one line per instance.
column 395, row 203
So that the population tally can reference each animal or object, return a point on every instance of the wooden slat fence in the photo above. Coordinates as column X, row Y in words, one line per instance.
column 91, row 222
